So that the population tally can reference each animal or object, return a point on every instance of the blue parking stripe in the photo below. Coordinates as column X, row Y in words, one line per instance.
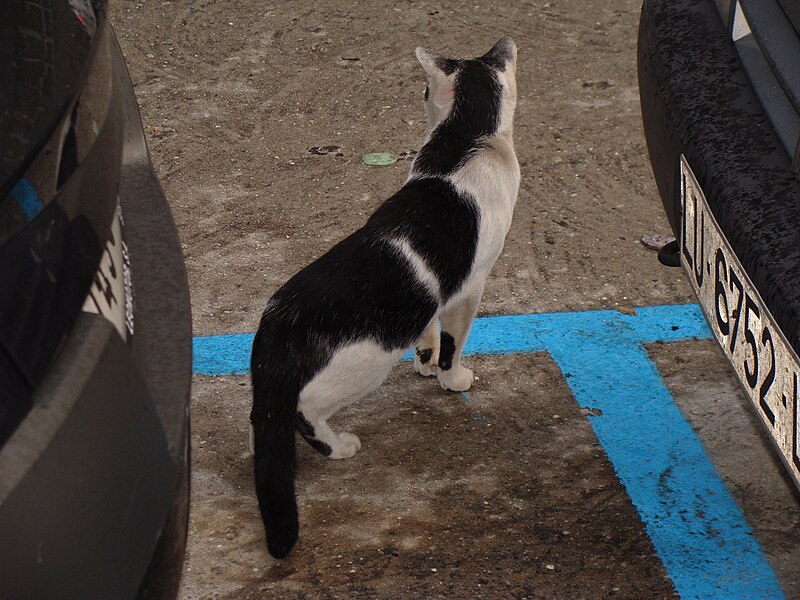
column 696, row 527
column 222, row 354
column 27, row 198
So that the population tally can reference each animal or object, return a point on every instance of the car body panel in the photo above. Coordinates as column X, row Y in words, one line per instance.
column 56, row 215
column 697, row 101
column 94, row 425
column 45, row 49
column 84, row 511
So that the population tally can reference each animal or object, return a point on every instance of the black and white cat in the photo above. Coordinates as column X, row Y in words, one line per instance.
column 331, row 334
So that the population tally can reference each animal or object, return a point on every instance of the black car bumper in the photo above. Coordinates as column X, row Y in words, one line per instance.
column 94, row 485
column 697, row 101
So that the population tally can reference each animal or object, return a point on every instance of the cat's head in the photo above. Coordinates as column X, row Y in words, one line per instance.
column 480, row 91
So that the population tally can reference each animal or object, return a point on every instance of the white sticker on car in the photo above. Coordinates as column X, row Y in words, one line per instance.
column 111, row 294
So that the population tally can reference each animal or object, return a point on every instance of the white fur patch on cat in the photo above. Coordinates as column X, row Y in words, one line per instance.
column 354, row 371
column 422, row 272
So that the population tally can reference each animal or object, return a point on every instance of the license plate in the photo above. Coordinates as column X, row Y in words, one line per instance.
column 765, row 363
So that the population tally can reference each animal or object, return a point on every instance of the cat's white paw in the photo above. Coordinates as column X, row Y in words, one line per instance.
column 456, row 379
column 347, row 446
column 427, row 369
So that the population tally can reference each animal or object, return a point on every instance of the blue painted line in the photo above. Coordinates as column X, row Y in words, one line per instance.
column 697, row 529
column 222, row 354
column 27, row 198
column 230, row 354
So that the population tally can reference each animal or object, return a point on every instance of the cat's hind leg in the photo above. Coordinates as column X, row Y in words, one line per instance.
column 456, row 322
column 352, row 373
column 426, row 350
column 323, row 439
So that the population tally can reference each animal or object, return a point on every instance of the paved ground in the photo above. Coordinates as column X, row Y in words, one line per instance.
column 506, row 492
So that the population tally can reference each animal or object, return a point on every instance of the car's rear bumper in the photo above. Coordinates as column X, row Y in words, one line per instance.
column 94, row 482
column 697, row 101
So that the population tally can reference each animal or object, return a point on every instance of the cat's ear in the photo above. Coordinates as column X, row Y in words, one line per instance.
column 435, row 66
column 502, row 54
column 440, row 76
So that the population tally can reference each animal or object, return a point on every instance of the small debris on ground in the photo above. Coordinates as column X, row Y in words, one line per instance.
column 597, row 85
column 591, row 412
column 323, row 150
column 655, row 241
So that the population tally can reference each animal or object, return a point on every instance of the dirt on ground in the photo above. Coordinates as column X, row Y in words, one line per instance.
column 257, row 115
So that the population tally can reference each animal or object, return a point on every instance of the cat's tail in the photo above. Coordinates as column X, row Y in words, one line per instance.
column 274, row 475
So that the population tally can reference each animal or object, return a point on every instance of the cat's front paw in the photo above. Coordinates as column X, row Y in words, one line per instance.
column 426, row 369
column 456, row 379
column 347, row 446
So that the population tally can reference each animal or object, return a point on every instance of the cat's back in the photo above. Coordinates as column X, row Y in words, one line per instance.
column 438, row 222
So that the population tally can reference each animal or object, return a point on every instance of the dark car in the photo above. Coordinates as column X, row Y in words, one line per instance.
column 720, row 93
column 95, row 330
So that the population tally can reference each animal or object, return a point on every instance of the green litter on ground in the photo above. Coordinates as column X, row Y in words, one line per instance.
column 379, row 159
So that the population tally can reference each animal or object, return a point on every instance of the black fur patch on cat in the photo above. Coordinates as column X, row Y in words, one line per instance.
column 338, row 299
column 439, row 224
column 273, row 465
column 447, row 348
column 475, row 115
column 306, row 429
column 446, row 65
column 424, row 355
column 500, row 54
